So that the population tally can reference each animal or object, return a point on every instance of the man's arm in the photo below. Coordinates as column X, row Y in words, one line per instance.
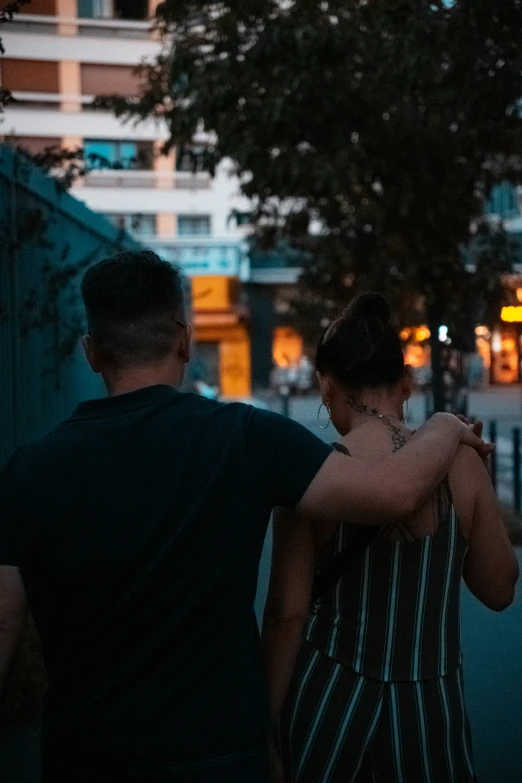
column 13, row 612
column 351, row 490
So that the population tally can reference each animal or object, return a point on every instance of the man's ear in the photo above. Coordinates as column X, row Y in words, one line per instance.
column 185, row 344
column 90, row 353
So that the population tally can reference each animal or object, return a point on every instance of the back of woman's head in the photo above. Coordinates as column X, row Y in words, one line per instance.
column 360, row 349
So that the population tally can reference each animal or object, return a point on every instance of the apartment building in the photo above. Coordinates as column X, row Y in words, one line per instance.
column 60, row 54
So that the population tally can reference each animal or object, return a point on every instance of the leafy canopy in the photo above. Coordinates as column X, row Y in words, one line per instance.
column 384, row 122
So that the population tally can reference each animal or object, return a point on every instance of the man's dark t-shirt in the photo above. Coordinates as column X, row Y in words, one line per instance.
column 138, row 525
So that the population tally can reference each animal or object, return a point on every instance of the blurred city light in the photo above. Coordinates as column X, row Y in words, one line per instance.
column 511, row 314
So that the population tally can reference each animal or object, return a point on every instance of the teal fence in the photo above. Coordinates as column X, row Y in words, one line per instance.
column 47, row 239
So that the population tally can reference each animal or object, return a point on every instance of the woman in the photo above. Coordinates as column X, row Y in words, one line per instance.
column 365, row 681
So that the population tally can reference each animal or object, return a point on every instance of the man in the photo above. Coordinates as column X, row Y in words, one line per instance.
column 134, row 531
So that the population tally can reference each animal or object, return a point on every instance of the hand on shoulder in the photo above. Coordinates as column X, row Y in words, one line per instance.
column 469, row 433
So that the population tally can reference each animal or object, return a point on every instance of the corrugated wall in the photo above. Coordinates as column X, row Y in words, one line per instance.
column 46, row 236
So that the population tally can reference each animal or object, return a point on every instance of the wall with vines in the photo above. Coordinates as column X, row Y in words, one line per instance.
column 47, row 240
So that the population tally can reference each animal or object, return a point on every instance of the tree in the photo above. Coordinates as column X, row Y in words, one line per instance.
column 384, row 123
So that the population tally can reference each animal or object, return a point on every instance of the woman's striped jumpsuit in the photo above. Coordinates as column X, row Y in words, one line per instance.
column 377, row 690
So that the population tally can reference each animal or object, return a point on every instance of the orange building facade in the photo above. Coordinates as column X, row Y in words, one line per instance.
column 221, row 333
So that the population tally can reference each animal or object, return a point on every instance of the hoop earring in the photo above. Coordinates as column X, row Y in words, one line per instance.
column 325, row 426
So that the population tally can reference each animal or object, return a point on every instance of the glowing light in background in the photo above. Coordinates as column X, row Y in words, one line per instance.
column 422, row 333
column 496, row 342
column 512, row 314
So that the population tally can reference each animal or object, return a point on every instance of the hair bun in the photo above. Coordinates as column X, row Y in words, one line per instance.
column 369, row 307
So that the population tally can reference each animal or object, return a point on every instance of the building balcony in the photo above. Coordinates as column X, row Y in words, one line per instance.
column 132, row 178
column 45, row 118
column 276, row 275
column 48, row 100
column 207, row 256
column 105, row 27
column 55, row 38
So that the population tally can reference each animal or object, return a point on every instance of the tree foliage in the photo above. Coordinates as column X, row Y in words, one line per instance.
column 384, row 123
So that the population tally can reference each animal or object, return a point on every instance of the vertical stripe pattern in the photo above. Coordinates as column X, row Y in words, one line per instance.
column 450, row 567
column 349, row 728
column 319, row 713
column 394, row 615
column 363, row 610
column 334, row 633
column 448, row 740
column 396, row 733
column 372, row 729
column 423, row 732
column 304, row 679
column 392, row 612
column 420, row 609
column 344, row 727
column 377, row 694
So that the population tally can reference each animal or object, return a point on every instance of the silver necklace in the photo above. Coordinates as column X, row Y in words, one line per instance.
column 379, row 416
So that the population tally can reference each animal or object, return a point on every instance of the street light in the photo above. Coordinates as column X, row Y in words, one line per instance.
column 443, row 334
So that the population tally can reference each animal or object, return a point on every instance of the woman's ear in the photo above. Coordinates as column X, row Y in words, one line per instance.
column 325, row 388
column 407, row 382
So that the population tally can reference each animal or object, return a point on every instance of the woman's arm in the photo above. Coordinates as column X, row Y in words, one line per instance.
column 491, row 567
column 288, row 602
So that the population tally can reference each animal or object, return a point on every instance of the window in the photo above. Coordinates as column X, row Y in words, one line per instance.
column 193, row 225
column 95, row 9
column 241, row 218
column 135, row 9
column 138, row 225
column 101, row 79
column 109, row 9
column 100, row 154
column 503, row 201
column 192, row 159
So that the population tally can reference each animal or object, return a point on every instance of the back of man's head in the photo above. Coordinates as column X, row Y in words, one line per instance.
column 135, row 308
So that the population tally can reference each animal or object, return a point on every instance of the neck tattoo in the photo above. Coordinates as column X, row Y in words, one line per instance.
column 398, row 438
